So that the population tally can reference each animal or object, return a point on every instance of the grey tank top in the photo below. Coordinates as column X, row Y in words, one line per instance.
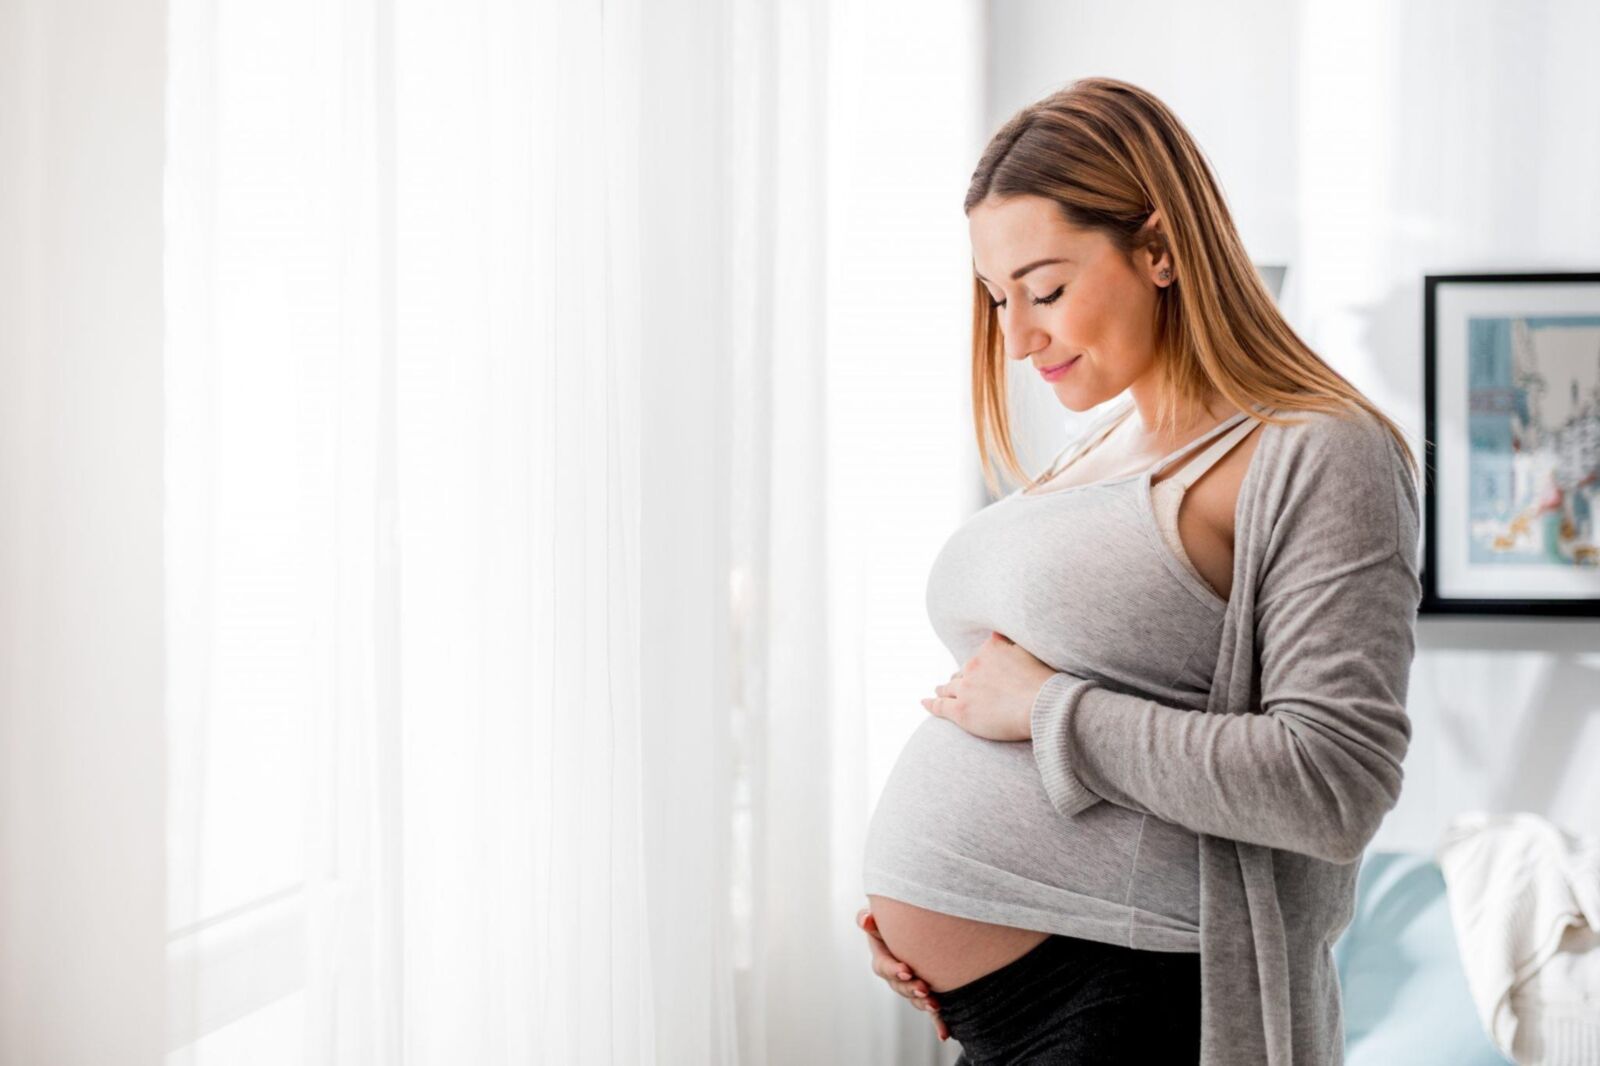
column 1092, row 580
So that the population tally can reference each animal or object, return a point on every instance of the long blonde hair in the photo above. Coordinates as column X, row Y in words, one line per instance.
column 1110, row 154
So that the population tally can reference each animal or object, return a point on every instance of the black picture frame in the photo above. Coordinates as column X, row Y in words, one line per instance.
column 1515, row 298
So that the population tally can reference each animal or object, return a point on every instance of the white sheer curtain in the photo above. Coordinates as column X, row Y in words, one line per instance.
column 404, row 371
column 441, row 447
column 497, row 730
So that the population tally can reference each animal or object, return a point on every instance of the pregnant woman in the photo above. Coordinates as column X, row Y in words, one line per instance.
column 1130, row 826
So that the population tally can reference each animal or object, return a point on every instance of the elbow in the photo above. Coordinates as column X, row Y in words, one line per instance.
column 1342, row 849
column 1354, row 792
column 1345, row 838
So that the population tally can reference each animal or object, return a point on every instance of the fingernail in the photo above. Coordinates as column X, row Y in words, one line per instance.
column 920, row 992
column 904, row 976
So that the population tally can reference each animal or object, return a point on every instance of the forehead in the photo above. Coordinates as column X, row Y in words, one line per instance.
column 1007, row 234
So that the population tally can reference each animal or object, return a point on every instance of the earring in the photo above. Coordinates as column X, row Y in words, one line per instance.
column 1166, row 275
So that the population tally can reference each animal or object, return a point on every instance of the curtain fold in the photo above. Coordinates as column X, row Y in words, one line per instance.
column 402, row 383
column 471, row 761
column 426, row 428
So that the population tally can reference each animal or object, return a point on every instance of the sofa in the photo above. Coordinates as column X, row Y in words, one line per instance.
column 1404, row 992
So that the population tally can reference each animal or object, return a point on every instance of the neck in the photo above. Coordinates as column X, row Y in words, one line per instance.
column 1192, row 418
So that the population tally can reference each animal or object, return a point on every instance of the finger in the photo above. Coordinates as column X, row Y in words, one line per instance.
column 900, row 976
column 871, row 926
column 881, row 958
column 939, row 1027
column 920, row 991
column 886, row 965
column 914, row 986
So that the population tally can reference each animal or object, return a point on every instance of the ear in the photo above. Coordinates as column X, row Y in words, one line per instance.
column 1157, row 255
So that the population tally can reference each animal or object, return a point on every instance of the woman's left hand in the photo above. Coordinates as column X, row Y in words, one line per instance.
column 992, row 694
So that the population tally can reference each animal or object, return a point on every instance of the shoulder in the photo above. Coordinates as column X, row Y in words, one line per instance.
column 1351, row 436
column 1337, row 483
column 1348, row 452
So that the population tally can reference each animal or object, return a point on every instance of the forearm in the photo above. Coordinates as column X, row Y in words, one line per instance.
column 1314, row 772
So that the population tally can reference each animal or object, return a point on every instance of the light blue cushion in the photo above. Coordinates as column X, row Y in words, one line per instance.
column 1404, row 992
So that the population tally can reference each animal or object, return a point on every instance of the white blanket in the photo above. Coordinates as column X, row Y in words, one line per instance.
column 1524, row 898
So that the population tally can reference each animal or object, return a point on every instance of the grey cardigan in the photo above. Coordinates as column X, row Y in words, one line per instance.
column 1296, row 759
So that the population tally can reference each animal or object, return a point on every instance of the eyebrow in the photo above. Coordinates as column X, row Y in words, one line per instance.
column 1016, row 275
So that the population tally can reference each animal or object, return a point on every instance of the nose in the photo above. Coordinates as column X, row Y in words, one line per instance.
column 1022, row 337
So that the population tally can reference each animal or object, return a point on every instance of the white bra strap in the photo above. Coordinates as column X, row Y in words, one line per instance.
column 1190, row 472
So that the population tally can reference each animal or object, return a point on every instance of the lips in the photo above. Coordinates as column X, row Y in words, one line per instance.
column 1052, row 371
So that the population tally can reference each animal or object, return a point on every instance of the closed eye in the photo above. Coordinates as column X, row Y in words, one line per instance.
column 1052, row 298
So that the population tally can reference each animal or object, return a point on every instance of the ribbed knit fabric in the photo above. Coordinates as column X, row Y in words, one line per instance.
column 1282, row 762
column 1525, row 904
column 965, row 826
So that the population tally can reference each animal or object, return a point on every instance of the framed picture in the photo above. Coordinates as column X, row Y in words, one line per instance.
column 1512, row 495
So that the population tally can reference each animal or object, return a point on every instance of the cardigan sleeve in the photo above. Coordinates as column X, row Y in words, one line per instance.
column 1317, row 769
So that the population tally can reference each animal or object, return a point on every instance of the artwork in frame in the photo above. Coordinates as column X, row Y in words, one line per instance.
column 1512, row 443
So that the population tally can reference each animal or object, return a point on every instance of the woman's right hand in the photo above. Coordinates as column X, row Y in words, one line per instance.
column 898, row 974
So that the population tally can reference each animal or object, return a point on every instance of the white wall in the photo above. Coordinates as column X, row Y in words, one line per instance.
column 1367, row 144
column 82, row 759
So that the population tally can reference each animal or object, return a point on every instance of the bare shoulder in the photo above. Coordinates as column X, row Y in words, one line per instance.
column 1351, row 439
column 1214, row 497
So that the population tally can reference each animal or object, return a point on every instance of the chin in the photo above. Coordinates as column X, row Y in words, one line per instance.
column 1073, row 399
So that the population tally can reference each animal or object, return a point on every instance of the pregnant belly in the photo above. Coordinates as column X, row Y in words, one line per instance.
column 944, row 950
column 967, row 865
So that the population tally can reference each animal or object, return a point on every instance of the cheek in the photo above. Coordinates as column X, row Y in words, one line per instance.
column 1105, row 315
column 1083, row 315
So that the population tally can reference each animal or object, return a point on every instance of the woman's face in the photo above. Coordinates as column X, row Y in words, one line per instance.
column 1091, row 304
